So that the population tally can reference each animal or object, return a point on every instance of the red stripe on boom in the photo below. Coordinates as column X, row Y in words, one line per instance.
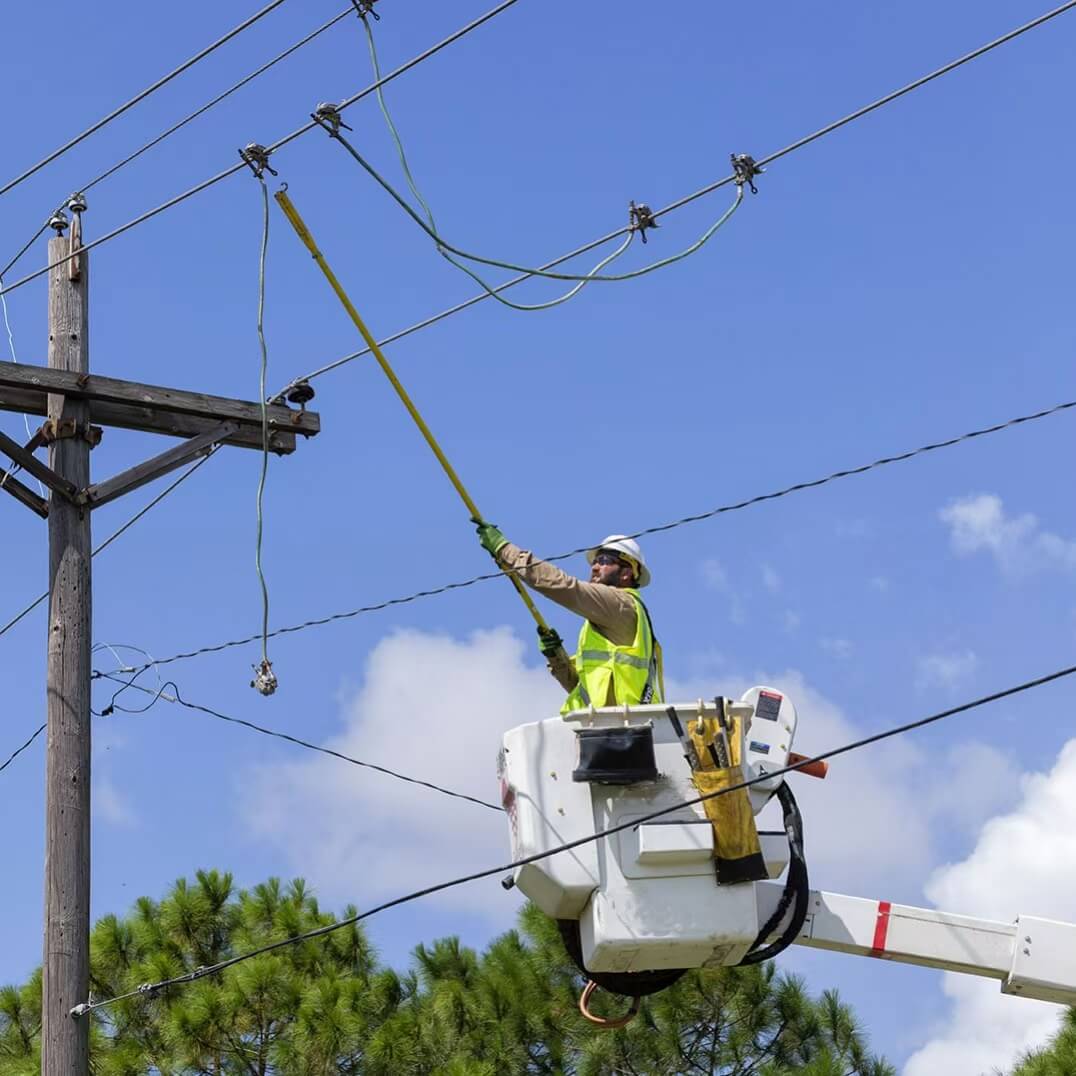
column 881, row 928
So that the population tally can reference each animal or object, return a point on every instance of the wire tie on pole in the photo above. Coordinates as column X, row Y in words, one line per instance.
column 327, row 115
column 265, row 681
column 641, row 217
column 256, row 157
column 743, row 164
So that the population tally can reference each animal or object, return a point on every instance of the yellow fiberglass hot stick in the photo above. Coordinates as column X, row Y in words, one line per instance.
column 308, row 241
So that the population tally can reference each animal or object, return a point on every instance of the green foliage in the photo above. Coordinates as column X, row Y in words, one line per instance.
column 325, row 1007
column 1057, row 1059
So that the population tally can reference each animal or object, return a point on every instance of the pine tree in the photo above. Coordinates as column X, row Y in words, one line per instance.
column 325, row 1007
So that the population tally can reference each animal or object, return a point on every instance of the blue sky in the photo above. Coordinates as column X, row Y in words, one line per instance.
column 903, row 280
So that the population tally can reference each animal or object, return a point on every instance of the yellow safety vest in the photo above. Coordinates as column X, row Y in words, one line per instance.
column 634, row 672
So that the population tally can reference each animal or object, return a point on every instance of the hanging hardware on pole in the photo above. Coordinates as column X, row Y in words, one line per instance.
column 641, row 217
column 264, row 678
column 58, row 222
column 743, row 164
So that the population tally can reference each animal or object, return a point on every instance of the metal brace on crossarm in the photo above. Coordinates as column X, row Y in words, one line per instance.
column 256, row 158
column 52, row 430
column 641, row 217
column 743, row 164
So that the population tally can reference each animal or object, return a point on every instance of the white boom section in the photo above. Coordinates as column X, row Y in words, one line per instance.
column 1032, row 957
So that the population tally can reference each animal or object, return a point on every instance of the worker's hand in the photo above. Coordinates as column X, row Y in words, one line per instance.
column 492, row 540
column 549, row 642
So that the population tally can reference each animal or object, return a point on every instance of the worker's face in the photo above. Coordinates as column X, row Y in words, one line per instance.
column 611, row 570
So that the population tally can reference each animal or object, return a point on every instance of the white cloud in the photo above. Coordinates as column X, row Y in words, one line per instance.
column 714, row 575
column 945, row 671
column 1024, row 862
column 432, row 707
column 109, row 805
column 837, row 648
column 1017, row 543
column 770, row 579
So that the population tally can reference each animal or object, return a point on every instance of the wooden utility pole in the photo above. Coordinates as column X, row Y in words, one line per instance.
column 66, row 965
column 73, row 399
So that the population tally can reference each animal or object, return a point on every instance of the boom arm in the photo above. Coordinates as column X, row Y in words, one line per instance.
column 1032, row 957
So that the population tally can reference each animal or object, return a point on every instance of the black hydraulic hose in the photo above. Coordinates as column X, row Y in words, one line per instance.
column 797, row 888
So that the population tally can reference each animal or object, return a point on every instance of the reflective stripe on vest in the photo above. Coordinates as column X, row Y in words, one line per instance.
column 632, row 672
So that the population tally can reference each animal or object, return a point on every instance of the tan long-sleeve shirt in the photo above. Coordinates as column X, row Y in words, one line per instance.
column 609, row 609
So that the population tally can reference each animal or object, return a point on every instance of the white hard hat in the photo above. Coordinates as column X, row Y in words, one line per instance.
column 626, row 547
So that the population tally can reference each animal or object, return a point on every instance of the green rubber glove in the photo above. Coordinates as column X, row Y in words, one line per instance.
column 549, row 642
column 492, row 540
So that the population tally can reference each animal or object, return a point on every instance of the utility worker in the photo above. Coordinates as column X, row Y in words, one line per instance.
column 618, row 659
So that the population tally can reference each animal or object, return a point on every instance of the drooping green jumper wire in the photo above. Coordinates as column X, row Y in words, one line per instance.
column 332, row 124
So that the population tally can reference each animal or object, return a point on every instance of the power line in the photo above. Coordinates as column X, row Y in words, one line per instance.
column 899, row 730
column 141, row 96
column 206, row 184
column 701, row 192
column 589, row 246
column 15, row 754
column 160, row 693
column 683, row 521
column 187, row 119
column 116, row 533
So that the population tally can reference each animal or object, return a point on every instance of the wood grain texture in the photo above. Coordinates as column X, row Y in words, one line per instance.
column 66, row 962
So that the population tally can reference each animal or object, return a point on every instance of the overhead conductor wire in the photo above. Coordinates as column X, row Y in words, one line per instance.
column 141, row 96
column 18, row 751
column 446, row 249
column 431, row 228
column 701, row 192
column 180, row 124
column 736, row 506
column 149, row 989
column 161, row 693
column 116, row 533
column 298, row 132
column 205, row 184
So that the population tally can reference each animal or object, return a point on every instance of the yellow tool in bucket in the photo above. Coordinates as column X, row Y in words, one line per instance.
column 718, row 743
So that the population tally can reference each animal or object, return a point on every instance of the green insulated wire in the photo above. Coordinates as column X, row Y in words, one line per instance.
column 265, row 422
column 447, row 250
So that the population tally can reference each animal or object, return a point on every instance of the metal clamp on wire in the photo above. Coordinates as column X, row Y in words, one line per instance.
column 327, row 115
column 366, row 7
column 743, row 164
column 256, row 158
column 264, row 678
column 641, row 217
